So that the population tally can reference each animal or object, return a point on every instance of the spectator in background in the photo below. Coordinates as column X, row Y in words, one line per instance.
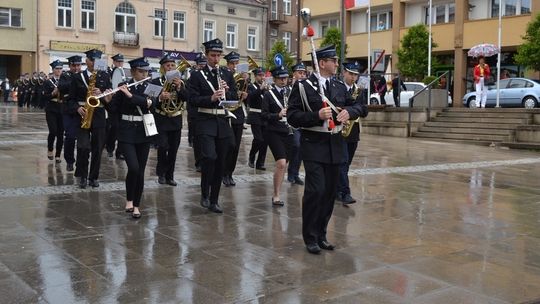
column 505, row 74
column 397, row 86
column 6, row 88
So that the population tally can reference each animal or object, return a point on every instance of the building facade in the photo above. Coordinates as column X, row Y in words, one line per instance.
column 456, row 27
column 283, row 24
column 240, row 24
column 134, row 28
column 18, row 32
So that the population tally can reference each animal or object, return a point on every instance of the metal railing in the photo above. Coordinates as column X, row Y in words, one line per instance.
column 428, row 88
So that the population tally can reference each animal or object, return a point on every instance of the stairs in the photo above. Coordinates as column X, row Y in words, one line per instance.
column 482, row 126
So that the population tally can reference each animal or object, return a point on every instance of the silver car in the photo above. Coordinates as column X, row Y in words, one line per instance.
column 514, row 92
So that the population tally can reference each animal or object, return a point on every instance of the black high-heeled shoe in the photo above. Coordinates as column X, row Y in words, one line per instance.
column 129, row 210
column 277, row 203
column 136, row 215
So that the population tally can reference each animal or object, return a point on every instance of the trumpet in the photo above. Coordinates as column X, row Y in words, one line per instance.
column 93, row 101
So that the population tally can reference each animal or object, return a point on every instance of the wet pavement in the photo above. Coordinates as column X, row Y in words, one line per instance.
column 435, row 222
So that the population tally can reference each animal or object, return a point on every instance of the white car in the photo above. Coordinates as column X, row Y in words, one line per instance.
column 412, row 88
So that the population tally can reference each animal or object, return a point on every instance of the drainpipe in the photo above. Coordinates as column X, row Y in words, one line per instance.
column 37, row 34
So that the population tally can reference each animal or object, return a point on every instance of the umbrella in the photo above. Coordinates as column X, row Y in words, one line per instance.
column 484, row 49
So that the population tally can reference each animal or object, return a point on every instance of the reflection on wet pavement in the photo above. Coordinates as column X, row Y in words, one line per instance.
column 434, row 223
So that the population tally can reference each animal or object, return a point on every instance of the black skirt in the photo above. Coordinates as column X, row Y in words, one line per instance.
column 281, row 144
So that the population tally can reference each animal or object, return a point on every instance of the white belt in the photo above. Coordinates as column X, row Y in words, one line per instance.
column 320, row 129
column 255, row 110
column 212, row 111
column 131, row 117
column 174, row 114
column 56, row 100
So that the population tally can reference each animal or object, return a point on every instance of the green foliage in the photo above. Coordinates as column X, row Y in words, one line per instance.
column 428, row 79
column 279, row 47
column 528, row 54
column 413, row 53
column 333, row 36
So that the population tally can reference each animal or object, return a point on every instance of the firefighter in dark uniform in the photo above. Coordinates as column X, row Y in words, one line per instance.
column 213, row 132
column 350, row 76
column 129, row 104
column 91, row 140
column 117, row 76
column 237, row 123
column 53, row 112
column 200, row 63
column 259, row 146
column 70, row 118
column 321, row 146
column 168, row 121
column 293, row 170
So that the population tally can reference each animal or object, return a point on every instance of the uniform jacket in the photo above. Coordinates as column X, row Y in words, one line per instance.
column 317, row 146
column 131, row 131
column 167, row 123
column 77, row 93
column 64, row 85
column 354, row 136
column 270, row 112
column 200, row 95
column 48, row 87
column 254, row 100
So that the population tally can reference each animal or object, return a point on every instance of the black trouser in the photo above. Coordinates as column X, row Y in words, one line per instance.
column 318, row 200
column 169, row 141
column 136, row 156
column 232, row 156
column 6, row 96
column 343, row 185
column 196, row 144
column 56, row 131
column 71, row 127
column 395, row 94
column 89, row 141
column 258, row 145
column 21, row 98
column 213, row 153
column 112, row 130
column 296, row 157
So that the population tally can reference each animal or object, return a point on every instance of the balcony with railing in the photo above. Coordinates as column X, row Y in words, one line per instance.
column 277, row 18
column 126, row 39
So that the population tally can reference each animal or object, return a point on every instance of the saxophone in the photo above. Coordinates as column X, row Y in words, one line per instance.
column 91, row 103
column 347, row 128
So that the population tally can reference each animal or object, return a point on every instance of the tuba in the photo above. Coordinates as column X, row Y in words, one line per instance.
column 172, row 105
column 347, row 128
column 92, row 102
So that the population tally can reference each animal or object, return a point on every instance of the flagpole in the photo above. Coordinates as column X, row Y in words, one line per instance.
column 429, row 42
column 342, row 44
column 369, row 53
column 499, row 56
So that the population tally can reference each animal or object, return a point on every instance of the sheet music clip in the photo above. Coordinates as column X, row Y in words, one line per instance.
column 225, row 103
column 152, row 90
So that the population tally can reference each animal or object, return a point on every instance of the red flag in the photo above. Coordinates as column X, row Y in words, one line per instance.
column 349, row 4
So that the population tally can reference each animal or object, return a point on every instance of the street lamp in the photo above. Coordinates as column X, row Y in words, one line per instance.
column 162, row 19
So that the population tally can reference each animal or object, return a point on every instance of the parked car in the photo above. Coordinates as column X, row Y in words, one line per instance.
column 514, row 92
column 412, row 88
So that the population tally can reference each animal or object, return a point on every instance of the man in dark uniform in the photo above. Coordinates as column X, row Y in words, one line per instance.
column 117, row 76
column 200, row 63
column 168, row 121
column 321, row 145
column 91, row 140
column 293, row 171
column 237, row 123
column 350, row 76
column 53, row 112
column 259, row 146
column 214, row 133
column 70, row 118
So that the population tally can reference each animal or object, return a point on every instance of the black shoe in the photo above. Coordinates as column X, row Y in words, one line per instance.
column 277, row 203
column 205, row 203
column 215, row 208
column 110, row 154
column 226, row 181
column 82, row 183
column 231, row 181
column 94, row 183
column 313, row 248
column 339, row 196
column 262, row 168
column 136, row 215
column 69, row 167
column 57, row 159
column 162, row 180
column 172, row 182
column 251, row 164
column 120, row 157
column 326, row 245
column 347, row 199
column 198, row 168
column 297, row 180
column 290, row 180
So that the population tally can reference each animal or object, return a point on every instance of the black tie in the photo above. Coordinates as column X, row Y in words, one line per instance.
column 328, row 88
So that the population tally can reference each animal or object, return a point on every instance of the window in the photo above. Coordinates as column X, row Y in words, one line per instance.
column 10, row 17
column 381, row 21
column 231, row 11
column 274, row 32
column 210, row 7
column 64, row 13
column 253, row 13
column 442, row 13
column 252, row 38
column 88, row 14
column 160, row 17
column 209, row 29
column 511, row 7
column 125, row 18
column 179, row 26
column 287, row 7
column 287, row 39
column 231, row 35
column 326, row 24
column 273, row 10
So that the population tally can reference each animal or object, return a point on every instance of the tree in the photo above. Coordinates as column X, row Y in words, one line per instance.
column 413, row 53
column 279, row 47
column 528, row 54
column 333, row 36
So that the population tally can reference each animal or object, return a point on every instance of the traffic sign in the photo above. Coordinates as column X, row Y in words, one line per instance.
column 278, row 59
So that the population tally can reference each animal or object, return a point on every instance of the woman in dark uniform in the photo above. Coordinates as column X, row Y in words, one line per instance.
column 278, row 134
column 129, row 103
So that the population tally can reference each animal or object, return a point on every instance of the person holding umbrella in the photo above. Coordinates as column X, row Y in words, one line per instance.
column 481, row 73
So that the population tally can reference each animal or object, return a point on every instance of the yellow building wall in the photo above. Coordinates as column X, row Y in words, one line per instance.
column 23, row 38
column 485, row 31
column 321, row 8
